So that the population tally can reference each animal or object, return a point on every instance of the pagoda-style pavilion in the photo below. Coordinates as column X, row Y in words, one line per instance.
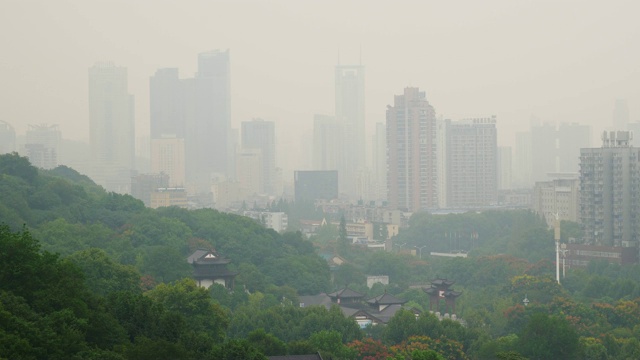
column 210, row 268
column 440, row 289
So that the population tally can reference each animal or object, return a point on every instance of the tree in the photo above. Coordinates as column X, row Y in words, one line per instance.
column 267, row 343
column 103, row 275
column 343, row 244
column 548, row 337
column 195, row 304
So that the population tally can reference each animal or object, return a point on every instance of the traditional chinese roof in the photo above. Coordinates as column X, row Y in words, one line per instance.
column 315, row 300
column 202, row 256
column 385, row 299
column 442, row 282
column 346, row 293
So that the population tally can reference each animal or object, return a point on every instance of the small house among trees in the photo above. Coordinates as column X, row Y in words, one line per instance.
column 210, row 268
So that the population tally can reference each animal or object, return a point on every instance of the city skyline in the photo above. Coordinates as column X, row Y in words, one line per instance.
column 566, row 62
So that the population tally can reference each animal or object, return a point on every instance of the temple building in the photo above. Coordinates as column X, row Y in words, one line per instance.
column 210, row 268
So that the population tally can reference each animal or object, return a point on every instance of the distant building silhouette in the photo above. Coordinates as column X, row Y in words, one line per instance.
column 7, row 138
column 313, row 185
column 411, row 141
column 350, row 105
column 259, row 134
column 43, row 145
column 620, row 115
column 111, row 124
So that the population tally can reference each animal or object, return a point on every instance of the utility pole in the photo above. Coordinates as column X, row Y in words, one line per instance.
column 557, row 238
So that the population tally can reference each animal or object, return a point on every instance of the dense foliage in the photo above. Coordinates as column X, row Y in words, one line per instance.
column 87, row 274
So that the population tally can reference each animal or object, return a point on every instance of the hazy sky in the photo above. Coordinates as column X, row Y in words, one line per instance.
column 564, row 61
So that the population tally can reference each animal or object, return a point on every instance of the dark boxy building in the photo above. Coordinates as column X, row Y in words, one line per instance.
column 313, row 185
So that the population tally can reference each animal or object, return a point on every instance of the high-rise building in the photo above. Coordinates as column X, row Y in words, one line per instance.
column 206, row 101
column 620, row 115
column 350, row 112
column 411, row 141
column 111, row 124
column 609, row 198
column 167, row 156
column 43, row 145
column 471, row 162
column 260, row 134
column 7, row 138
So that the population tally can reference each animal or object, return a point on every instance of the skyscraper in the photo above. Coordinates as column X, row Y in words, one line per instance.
column 350, row 112
column 260, row 134
column 471, row 162
column 111, row 124
column 412, row 168
column 206, row 102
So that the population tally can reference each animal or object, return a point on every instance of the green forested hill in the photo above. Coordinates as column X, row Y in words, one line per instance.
column 67, row 213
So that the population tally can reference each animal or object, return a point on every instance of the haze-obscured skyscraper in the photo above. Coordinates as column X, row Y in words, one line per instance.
column 557, row 150
column 111, row 124
column 7, row 138
column 350, row 112
column 43, row 145
column 411, row 141
column 571, row 138
column 261, row 135
column 620, row 115
column 207, row 109
column 166, row 109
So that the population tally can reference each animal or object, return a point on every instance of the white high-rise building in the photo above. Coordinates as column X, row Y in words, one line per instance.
column 111, row 125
